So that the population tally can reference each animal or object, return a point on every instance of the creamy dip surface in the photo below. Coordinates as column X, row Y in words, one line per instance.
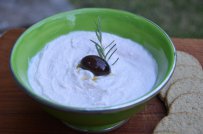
column 53, row 72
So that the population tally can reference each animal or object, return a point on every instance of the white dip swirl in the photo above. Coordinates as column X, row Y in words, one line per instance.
column 53, row 72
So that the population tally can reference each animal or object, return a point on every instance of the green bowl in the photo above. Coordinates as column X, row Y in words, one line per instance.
column 121, row 23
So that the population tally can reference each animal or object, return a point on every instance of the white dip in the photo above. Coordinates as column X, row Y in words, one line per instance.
column 53, row 72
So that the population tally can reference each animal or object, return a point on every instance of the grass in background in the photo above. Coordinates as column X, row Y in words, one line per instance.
column 179, row 18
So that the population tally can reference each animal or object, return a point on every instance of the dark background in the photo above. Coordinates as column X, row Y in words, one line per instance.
column 179, row 18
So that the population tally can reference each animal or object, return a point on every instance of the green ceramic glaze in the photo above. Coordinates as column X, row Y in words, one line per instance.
column 94, row 122
column 121, row 23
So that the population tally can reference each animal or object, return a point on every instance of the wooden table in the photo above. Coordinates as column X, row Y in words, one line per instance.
column 19, row 114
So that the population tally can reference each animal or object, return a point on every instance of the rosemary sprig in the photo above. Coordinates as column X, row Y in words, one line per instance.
column 110, row 50
column 115, row 61
column 100, row 47
column 109, row 44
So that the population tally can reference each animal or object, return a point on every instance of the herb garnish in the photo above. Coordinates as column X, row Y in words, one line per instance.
column 100, row 47
column 98, row 65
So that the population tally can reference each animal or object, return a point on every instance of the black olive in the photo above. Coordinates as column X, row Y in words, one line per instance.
column 97, row 65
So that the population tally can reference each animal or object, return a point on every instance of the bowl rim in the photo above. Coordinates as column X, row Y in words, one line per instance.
column 119, row 107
